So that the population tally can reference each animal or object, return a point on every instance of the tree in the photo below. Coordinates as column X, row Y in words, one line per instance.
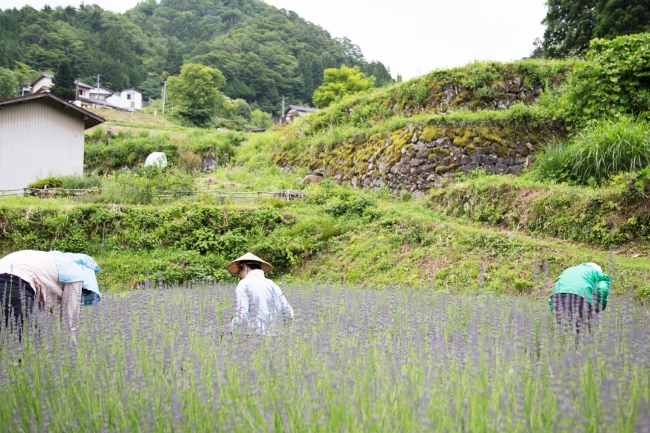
column 64, row 82
column 339, row 83
column 621, row 17
column 572, row 24
column 196, row 92
column 569, row 27
column 174, row 59
column 24, row 74
column 8, row 84
column 260, row 119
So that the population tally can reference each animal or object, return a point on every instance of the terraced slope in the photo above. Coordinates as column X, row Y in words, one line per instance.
column 409, row 136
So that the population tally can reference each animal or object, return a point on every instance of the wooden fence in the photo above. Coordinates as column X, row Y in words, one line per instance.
column 177, row 194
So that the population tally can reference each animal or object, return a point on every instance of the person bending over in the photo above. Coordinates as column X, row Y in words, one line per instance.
column 47, row 279
column 579, row 293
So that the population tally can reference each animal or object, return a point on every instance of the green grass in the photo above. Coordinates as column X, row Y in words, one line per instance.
column 596, row 153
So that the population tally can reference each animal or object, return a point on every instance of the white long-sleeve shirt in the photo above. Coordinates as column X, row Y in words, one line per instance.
column 39, row 270
column 259, row 297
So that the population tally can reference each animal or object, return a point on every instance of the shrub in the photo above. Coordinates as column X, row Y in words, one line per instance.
column 350, row 205
column 50, row 182
column 610, row 147
column 81, row 182
column 554, row 163
column 145, row 185
column 602, row 149
column 613, row 80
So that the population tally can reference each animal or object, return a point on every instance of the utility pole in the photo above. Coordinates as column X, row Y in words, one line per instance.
column 97, row 94
column 164, row 95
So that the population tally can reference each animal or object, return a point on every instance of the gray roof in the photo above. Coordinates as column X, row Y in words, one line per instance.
column 90, row 119
column 299, row 108
column 98, row 101
column 80, row 83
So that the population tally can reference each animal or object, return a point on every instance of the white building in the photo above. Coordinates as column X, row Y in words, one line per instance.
column 94, row 96
column 127, row 99
column 91, row 96
column 41, row 135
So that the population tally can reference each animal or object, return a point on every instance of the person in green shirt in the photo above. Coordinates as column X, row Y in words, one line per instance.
column 579, row 293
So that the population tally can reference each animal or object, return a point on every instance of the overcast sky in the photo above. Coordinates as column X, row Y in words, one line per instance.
column 411, row 37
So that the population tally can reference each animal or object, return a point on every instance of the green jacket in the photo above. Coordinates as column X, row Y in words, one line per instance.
column 583, row 280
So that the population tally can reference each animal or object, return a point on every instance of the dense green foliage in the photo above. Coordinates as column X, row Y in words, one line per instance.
column 8, row 83
column 126, row 149
column 597, row 152
column 196, row 92
column 569, row 27
column 339, row 83
column 611, row 216
column 571, row 24
column 614, row 80
column 63, row 82
column 263, row 52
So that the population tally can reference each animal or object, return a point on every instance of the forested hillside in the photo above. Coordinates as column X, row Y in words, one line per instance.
column 263, row 52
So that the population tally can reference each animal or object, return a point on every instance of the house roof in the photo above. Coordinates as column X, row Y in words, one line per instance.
column 90, row 119
column 98, row 102
column 44, row 74
column 300, row 108
column 132, row 88
column 82, row 84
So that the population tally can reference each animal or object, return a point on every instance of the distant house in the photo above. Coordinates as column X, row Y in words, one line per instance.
column 94, row 96
column 41, row 135
column 41, row 84
column 127, row 99
column 294, row 111
column 90, row 96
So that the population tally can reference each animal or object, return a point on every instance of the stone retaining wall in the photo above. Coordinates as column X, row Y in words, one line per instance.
column 417, row 157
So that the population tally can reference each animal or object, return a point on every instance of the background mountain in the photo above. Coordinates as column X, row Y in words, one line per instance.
column 264, row 52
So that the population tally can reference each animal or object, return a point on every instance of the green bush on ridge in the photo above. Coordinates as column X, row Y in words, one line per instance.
column 612, row 81
column 602, row 149
column 126, row 149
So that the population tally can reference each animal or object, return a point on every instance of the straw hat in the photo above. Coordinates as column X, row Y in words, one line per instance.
column 233, row 267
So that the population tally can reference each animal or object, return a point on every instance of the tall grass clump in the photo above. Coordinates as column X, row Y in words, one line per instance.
column 610, row 147
column 600, row 150
column 167, row 360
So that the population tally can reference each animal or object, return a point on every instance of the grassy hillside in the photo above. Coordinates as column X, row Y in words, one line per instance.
column 336, row 232
column 497, row 233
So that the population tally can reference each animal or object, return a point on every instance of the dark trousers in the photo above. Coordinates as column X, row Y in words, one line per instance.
column 573, row 311
column 16, row 299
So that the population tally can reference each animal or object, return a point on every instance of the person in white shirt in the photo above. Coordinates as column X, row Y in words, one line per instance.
column 260, row 302
column 47, row 279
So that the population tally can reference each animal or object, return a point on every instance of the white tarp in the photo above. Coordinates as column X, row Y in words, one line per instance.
column 156, row 158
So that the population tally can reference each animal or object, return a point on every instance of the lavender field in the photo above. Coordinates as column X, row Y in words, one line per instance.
column 353, row 360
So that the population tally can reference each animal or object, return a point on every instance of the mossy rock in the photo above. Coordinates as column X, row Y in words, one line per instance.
column 430, row 133
column 461, row 98
column 463, row 138
column 475, row 104
column 487, row 135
